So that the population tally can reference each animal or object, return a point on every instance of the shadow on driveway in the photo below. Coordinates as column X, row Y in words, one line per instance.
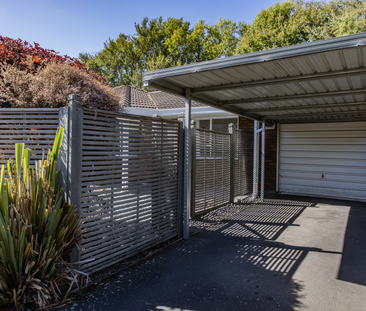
column 233, row 262
column 353, row 264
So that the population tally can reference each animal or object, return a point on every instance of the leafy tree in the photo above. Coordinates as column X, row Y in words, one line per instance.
column 161, row 44
column 338, row 18
column 149, row 39
column 175, row 41
column 295, row 22
column 279, row 25
column 210, row 41
column 117, row 61
column 159, row 62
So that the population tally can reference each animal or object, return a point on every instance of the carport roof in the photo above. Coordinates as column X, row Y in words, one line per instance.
column 311, row 82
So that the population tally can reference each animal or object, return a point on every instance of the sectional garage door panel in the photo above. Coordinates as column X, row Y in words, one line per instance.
column 345, row 194
column 324, row 159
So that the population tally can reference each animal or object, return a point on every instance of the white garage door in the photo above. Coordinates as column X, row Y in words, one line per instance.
column 324, row 159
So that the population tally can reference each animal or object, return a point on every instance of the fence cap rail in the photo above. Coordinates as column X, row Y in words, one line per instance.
column 128, row 116
column 214, row 132
column 31, row 110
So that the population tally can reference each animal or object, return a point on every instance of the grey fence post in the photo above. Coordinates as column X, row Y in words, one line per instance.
column 73, row 138
column 193, row 178
column 180, row 176
column 232, row 161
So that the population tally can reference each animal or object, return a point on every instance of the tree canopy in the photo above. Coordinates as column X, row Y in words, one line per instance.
column 162, row 43
column 292, row 22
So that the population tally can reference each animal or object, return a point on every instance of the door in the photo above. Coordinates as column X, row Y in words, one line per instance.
column 323, row 159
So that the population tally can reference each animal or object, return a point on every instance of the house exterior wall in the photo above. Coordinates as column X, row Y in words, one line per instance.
column 270, row 152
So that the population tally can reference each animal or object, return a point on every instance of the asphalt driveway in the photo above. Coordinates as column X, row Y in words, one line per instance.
column 288, row 253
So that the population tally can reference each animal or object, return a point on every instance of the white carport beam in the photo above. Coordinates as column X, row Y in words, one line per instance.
column 292, row 97
column 317, row 114
column 275, row 81
column 293, row 108
column 187, row 165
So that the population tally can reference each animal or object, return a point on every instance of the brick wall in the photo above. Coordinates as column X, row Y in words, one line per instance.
column 270, row 152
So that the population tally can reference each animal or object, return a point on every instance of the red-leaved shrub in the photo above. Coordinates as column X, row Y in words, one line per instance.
column 49, row 87
column 31, row 76
column 17, row 52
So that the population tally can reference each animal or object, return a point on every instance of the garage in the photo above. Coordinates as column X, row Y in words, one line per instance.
column 323, row 159
column 313, row 94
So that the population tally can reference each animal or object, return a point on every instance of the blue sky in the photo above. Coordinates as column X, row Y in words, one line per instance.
column 70, row 27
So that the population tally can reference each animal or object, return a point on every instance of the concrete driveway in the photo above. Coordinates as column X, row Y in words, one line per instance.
column 288, row 253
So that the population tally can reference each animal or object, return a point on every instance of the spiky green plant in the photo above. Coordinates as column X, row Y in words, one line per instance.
column 38, row 231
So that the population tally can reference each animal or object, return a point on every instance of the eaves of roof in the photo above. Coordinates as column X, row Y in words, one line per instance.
column 312, row 82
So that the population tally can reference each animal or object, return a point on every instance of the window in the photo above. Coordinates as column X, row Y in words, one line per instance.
column 205, row 124
column 218, row 125
column 222, row 125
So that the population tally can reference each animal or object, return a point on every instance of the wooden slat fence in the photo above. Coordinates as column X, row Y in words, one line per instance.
column 34, row 127
column 211, row 169
column 126, row 174
column 129, row 185
column 222, row 168
column 243, row 172
column 126, row 187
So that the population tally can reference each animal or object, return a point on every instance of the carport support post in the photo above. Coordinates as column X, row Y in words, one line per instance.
column 255, row 160
column 263, row 158
column 180, row 175
column 193, row 169
column 187, row 165
column 232, row 161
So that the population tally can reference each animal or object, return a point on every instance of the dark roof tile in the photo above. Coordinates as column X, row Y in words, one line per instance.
column 134, row 97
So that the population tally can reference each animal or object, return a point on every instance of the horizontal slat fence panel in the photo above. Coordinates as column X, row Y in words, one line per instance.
column 243, row 175
column 212, row 170
column 129, row 175
column 36, row 128
column 129, row 185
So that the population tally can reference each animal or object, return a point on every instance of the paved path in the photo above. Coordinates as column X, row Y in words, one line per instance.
column 288, row 253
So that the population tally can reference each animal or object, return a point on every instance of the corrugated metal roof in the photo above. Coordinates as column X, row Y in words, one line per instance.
column 318, row 81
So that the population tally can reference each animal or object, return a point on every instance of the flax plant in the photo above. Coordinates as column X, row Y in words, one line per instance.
column 38, row 232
